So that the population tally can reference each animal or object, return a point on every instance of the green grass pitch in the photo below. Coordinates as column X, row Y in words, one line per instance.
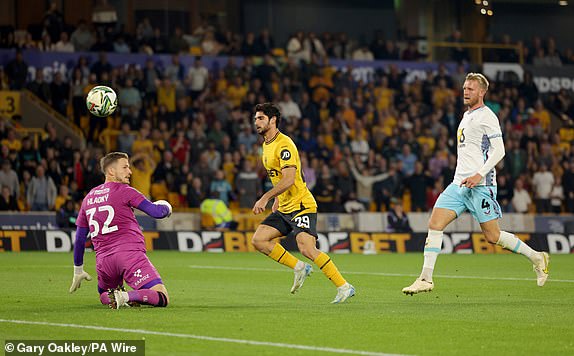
column 482, row 304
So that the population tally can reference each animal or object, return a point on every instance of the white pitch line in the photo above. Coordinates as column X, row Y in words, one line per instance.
column 202, row 337
column 381, row 274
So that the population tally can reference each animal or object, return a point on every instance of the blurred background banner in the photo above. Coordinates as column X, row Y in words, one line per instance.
column 335, row 242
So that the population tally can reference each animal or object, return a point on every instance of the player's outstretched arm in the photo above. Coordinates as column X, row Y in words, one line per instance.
column 79, row 248
column 158, row 210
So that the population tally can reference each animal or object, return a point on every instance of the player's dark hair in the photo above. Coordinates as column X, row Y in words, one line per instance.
column 110, row 159
column 270, row 110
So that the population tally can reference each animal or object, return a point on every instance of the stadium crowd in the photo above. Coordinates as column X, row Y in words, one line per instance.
column 105, row 33
column 189, row 130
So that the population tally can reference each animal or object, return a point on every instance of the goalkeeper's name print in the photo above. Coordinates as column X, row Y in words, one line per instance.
column 98, row 200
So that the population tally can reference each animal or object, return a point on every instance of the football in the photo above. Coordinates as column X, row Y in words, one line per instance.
column 102, row 101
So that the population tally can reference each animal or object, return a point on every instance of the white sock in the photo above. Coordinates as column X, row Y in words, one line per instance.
column 513, row 243
column 432, row 249
column 299, row 266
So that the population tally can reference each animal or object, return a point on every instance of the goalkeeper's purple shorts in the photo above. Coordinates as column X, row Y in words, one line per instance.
column 133, row 267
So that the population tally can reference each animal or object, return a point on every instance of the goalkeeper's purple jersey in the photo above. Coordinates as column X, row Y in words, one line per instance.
column 107, row 211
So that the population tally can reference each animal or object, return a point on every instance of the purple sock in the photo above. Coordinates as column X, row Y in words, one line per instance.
column 104, row 298
column 147, row 296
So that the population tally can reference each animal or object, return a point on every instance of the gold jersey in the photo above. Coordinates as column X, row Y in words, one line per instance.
column 280, row 153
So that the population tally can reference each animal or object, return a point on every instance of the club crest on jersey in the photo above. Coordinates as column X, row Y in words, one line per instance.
column 285, row 155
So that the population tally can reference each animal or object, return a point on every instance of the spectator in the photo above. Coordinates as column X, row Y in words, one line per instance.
column 67, row 215
column 63, row 45
column 82, row 38
column 198, row 77
column 219, row 212
column 363, row 54
column 129, row 97
column 353, row 205
column 195, row 193
column 325, row 191
column 314, row 46
column 290, row 110
column 458, row 54
column 409, row 159
column 12, row 141
column 557, row 195
column 40, row 88
column 9, row 179
column 247, row 185
column 142, row 143
column 41, row 193
column 220, row 185
column 432, row 194
column 365, row 181
column 411, row 53
column 101, row 66
column 54, row 21
column 397, row 219
column 209, row 45
column 101, row 44
column 143, row 168
column 265, row 43
column 504, row 193
column 175, row 71
column 151, row 77
column 120, row 45
column 542, row 182
column 203, row 168
column 8, row 202
column 77, row 84
column 45, row 45
column 249, row 47
column 125, row 139
column 62, row 197
column 344, row 181
column 418, row 183
column 180, row 147
column 296, row 49
column 60, row 91
column 17, row 71
column 177, row 43
column 521, row 199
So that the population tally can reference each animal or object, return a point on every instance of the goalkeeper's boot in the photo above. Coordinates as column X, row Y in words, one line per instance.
column 130, row 303
column 344, row 292
column 419, row 286
column 118, row 298
column 300, row 276
column 541, row 268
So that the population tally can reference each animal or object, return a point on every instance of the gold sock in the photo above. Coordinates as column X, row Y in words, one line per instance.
column 329, row 269
column 281, row 255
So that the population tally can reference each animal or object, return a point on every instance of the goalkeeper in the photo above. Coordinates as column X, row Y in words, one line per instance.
column 107, row 217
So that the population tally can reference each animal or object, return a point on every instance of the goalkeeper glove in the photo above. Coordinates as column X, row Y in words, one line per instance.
column 79, row 276
column 165, row 203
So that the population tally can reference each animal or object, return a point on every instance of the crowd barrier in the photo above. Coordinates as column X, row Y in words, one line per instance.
column 333, row 242
column 329, row 222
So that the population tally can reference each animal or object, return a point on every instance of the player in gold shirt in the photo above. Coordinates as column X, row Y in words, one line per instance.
column 294, row 209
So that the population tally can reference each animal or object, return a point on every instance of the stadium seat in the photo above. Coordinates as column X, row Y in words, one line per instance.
column 174, row 199
column 195, row 51
column 207, row 221
column 278, row 52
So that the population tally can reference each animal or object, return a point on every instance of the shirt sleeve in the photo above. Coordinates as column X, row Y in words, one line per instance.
column 81, row 221
column 287, row 155
column 491, row 126
column 133, row 197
